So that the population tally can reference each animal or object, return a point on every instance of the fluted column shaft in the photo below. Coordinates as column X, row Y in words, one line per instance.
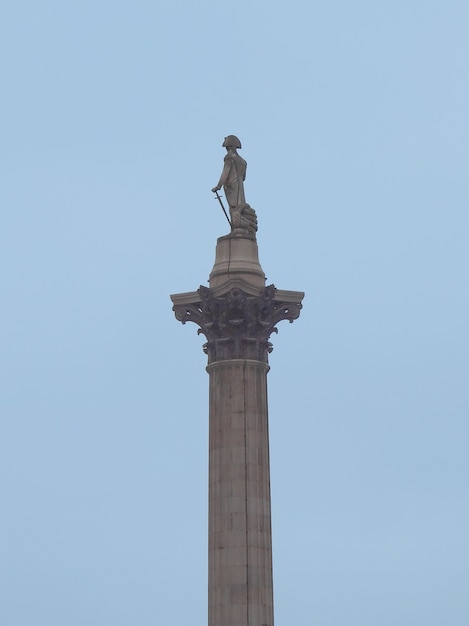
column 240, row 541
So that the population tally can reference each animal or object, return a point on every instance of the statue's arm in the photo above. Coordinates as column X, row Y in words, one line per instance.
column 224, row 174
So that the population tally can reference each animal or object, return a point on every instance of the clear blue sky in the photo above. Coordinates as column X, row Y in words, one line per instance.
column 354, row 123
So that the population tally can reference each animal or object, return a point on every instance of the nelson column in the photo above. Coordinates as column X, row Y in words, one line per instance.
column 237, row 313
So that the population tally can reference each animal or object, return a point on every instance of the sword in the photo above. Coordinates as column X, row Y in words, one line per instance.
column 222, row 206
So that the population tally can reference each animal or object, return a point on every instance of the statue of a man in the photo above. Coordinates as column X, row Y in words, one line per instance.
column 233, row 175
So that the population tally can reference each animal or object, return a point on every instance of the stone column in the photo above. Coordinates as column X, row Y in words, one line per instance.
column 237, row 314
column 240, row 542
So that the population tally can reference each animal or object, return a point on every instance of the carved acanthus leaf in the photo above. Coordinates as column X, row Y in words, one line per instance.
column 237, row 325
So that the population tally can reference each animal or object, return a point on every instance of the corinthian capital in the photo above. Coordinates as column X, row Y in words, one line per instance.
column 237, row 324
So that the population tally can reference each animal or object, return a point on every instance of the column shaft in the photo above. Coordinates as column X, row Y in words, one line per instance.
column 240, row 539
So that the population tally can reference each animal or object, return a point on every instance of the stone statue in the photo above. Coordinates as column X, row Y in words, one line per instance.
column 234, row 173
column 243, row 217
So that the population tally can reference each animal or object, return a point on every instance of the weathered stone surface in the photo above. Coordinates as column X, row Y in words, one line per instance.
column 236, row 324
column 240, row 539
column 237, row 264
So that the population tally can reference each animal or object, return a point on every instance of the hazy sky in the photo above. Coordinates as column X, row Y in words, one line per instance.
column 354, row 123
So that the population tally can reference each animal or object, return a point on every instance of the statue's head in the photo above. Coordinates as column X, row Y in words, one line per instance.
column 231, row 142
